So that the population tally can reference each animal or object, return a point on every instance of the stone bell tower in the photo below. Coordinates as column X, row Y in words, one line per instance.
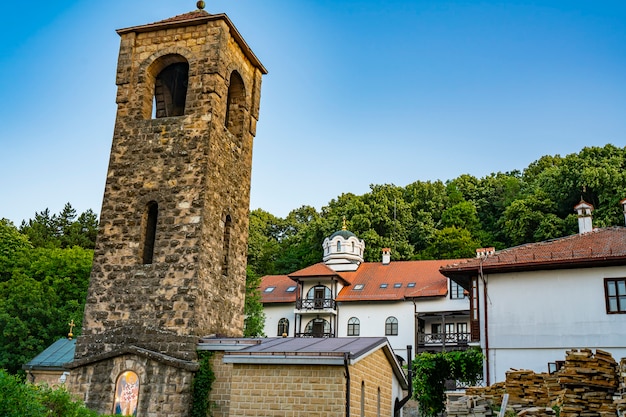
column 170, row 258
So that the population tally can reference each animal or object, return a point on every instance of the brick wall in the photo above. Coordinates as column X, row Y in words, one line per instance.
column 220, row 390
column 287, row 390
column 375, row 372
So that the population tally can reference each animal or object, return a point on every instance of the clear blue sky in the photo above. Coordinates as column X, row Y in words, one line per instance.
column 358, row 92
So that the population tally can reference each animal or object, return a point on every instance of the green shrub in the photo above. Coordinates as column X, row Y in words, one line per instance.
column 19, row 399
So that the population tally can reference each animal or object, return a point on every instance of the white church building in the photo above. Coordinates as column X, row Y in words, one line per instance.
column 409, row 302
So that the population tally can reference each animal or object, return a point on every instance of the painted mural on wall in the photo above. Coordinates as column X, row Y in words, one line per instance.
column 126, row 394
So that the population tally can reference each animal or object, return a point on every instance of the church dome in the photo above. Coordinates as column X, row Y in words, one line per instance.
column 343, row 233
column 343, row 250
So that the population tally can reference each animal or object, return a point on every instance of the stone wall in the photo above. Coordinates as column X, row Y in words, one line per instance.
column 165, row 390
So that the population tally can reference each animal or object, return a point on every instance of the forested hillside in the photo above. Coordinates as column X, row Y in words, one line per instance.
column 45, row 263
column 444, row 220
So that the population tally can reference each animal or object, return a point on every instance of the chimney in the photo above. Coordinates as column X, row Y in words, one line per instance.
column 584, row 209
column 484, row 252
column 386, row 256
column 623, row 203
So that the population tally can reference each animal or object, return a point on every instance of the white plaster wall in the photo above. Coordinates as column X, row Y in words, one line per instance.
column 535, row 317
column 372, row 316
column 273, row 313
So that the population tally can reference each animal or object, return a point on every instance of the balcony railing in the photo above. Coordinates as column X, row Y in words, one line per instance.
column 315, row 304
column 437, row 339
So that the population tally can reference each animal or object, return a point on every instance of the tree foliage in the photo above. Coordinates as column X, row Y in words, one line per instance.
column 18, row 399
column 432, row 370
column 450, row 220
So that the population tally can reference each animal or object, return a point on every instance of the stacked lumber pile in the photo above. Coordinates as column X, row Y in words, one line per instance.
column 468, row 406
column 620, row 396
column 588, row 382
column 492, row 393
column 527, row 389
column 537, row 412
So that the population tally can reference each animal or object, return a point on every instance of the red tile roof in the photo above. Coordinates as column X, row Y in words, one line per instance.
column 279, row 294
column 599, row 247
column 423, row 276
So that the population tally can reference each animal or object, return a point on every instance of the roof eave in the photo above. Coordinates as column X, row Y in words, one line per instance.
column 150, row 27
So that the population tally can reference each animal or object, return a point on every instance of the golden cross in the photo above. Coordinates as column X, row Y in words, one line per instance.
column 72, row 325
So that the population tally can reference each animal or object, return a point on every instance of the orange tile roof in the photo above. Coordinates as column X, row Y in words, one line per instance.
column 279, row 294
column 318, row 270
column 599, row 247
column 424, row 277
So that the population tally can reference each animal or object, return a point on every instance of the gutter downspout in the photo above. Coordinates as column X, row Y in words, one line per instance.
column 345, row 365
column 398, row 406
column 486, row 326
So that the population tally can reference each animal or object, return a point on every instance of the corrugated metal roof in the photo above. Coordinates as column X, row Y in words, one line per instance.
column 54, row 356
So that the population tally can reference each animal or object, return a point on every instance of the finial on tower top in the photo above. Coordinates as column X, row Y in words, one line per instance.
column 344, row 226
column 200, row 4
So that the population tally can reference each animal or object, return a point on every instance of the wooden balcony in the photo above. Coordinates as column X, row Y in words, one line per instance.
column 438, row 341
column 316, row 305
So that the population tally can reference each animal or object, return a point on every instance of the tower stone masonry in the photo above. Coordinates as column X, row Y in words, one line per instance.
column 170, row 259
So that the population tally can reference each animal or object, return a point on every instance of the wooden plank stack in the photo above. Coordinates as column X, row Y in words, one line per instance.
column 468, row 406
column 620, row 396
column 589, row 382
column 588, row 385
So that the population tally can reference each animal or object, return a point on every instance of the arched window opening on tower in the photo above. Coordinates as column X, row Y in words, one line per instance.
column 149, row 231
column 170, row 90
column 226, row 244
column 235, row 105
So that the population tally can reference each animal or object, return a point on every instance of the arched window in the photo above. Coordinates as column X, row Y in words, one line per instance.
column 226, row 244
column 170, row 90
column 283, row 327
column 321, row 296
column 338, row 246
column 352, row 247
column 235, row 105
column 126, row 394
column 354, row 326
column 391, row 326
column 317, row 327
column 149, row 231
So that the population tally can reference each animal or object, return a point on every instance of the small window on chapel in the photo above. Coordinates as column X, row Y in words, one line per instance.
column 126, row 394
